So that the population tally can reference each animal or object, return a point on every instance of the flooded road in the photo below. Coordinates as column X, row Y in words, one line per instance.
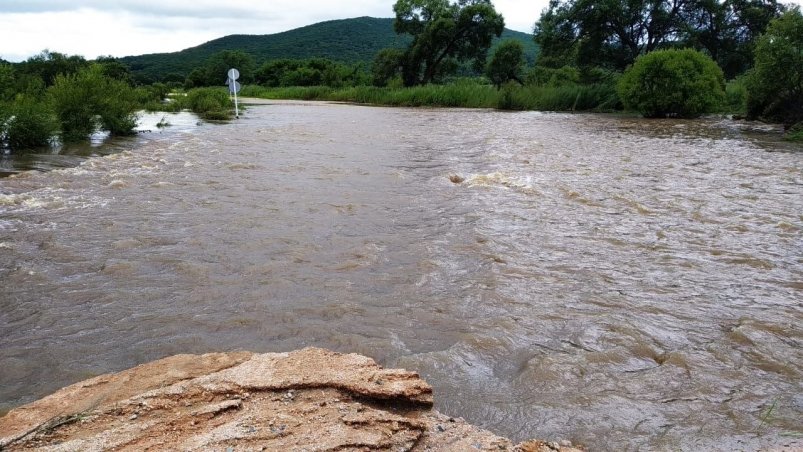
column 623, row 283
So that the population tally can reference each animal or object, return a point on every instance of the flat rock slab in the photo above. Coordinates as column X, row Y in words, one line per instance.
column 311, row 399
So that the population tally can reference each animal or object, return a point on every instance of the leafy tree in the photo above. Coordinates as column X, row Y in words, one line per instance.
column 507, row 63
column 608, row 32
column 7, row 82
column 727, row 30
column 311, row 72
column 214, row 70
column 775, row 85
column 89, row 100
column 444, row 34
column 113, row 68
column 387, row 65
column 48, row 65
column 612, row 33
column 219, row 64
column 684, row 83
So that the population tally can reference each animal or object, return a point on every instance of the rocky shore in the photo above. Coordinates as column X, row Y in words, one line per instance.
column 311, row 400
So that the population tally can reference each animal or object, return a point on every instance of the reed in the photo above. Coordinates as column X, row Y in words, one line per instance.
column 460, row 94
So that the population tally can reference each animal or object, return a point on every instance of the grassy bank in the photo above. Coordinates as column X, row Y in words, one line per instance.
column 457, row 95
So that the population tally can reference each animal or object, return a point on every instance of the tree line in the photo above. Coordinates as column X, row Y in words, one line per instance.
column 659, row 57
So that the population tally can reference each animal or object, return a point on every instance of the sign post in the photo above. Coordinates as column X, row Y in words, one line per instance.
column 234, row 88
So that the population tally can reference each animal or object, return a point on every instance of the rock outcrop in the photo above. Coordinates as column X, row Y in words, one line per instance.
column 311, row 399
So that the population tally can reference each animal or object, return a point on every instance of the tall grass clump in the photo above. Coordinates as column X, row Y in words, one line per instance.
column 461, row 93
column 736, row 97
column 598, row 97
column 210, row 103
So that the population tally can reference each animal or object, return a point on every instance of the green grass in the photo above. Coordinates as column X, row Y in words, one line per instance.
column 460, row 94
column 795, row 134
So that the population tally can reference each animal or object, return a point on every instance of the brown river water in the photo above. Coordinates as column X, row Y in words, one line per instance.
column 623, row 283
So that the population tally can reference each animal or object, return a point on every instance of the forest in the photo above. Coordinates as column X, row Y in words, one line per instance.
column 659, row 58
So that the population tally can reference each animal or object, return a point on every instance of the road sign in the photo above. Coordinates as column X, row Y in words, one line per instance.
column 234, row 88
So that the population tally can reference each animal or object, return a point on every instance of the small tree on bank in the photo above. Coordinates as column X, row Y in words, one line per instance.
column 507, row 63
column 682, row 83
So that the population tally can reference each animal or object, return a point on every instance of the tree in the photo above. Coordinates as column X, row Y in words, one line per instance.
column 775, row 84
column 214, row 70
column 684, row 83
column 48, row 65
column 219, row 64
column 444, row 34
column 7, row 82
column 608, row 33
column 612, row 33
column 507, row 63
column 728, row 30
column 386, row 66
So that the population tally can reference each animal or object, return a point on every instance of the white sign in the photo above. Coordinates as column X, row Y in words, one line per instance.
column 234, row 88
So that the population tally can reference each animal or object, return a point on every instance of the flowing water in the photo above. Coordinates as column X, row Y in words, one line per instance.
column 623, row 283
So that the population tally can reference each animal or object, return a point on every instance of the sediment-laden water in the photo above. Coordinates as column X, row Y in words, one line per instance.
column 620, row 282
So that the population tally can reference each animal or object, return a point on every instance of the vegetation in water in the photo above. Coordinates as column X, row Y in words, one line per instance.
column 661, row 58
column 88, row 101
column 28, row 123
column 210, row 103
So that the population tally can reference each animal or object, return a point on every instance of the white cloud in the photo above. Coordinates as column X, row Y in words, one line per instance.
column 133, row 27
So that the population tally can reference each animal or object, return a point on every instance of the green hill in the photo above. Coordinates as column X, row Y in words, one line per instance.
column 347, row 40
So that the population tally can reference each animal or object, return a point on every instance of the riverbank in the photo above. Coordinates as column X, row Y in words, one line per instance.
column 460, row 94
column 311, row 399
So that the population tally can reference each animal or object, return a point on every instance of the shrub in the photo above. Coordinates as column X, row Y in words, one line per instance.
column 210, row 103
column 28, row 124
column 684, row 83
column 545, row 76
column 775, row 84
column 89, row 100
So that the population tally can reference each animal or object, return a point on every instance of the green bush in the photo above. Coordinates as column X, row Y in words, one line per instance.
column 683, row 83
column 736, row 96
column 544, row 76
column 89, row 100
column 28, row 123
column 775, row 84
column 210, row 103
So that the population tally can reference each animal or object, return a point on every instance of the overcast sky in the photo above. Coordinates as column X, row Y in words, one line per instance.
column 134, row 27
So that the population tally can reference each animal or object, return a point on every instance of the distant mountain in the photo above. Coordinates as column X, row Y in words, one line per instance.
column 347, row 40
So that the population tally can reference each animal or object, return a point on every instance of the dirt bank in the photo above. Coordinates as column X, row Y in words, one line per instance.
column 311, row 399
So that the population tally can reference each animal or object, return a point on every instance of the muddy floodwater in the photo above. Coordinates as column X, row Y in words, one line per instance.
column 623, row 283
